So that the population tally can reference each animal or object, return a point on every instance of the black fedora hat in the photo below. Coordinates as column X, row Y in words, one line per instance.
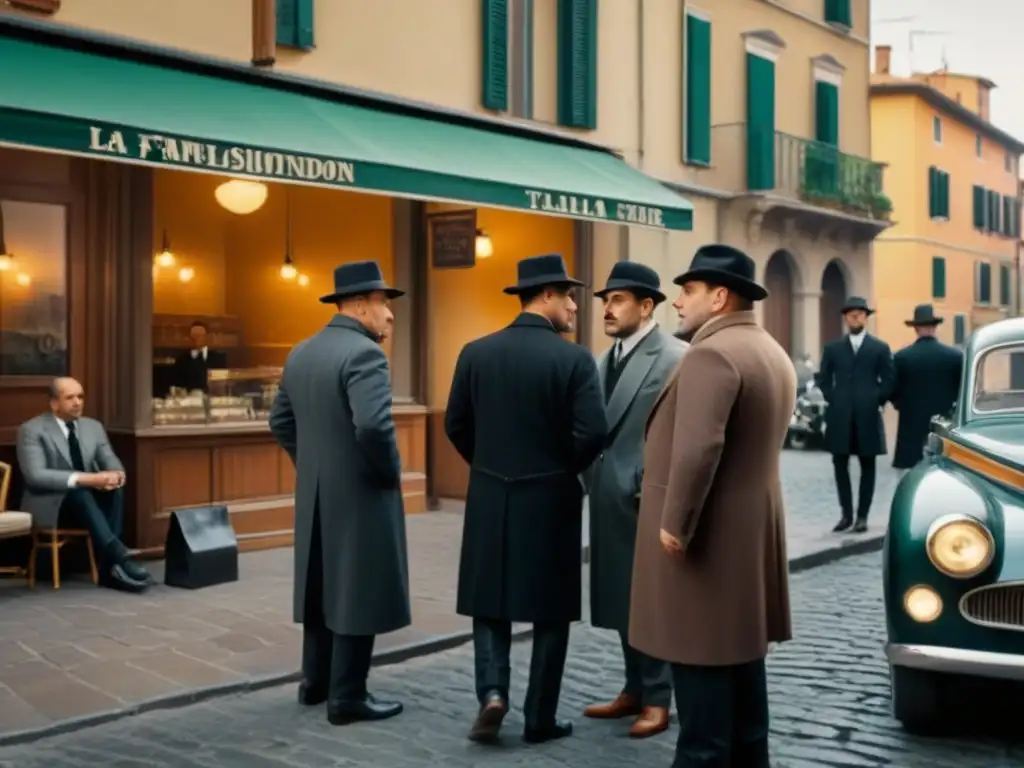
column 924, row 314
column 856, row 302
column 640, row 279
column 357, row 278
column 537, row 271
column 727, row 267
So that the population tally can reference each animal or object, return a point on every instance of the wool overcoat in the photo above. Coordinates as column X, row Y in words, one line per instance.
column 525, row 412
column 613, row 481
column 712, row 479
column 332, row 416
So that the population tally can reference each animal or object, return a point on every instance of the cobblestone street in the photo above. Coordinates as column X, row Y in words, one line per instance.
column 829, row 692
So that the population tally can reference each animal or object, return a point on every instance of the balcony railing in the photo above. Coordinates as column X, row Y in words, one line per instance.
column 753, row 160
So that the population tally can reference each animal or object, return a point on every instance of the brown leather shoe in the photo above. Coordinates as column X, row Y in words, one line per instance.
column 651, row 721
column 623, row 706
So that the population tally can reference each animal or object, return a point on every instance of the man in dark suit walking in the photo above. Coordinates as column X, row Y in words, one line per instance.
column 927, row 384
column 332, row 416
column 526, row 413
column 856, row 378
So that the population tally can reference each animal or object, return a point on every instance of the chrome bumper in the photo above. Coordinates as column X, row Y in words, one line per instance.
column 957, row 661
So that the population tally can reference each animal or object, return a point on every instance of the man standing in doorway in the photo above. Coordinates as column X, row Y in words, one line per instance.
column 526, row 413
column 192, row 367
column 632, row 374
column 856, row 379
column 710, row 577
column 927, row 384
column 332, row 416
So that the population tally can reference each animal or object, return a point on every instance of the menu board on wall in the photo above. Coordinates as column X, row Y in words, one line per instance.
column 453, row 239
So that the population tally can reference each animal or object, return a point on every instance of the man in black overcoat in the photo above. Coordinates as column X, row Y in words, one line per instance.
column 856, row 378
column 927, row 384
column 526, row 413
column 332, row 416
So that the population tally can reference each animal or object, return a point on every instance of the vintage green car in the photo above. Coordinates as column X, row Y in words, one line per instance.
column 954, row 551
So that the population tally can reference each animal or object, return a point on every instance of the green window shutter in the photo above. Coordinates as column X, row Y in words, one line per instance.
column 979, row 207
column 984, row 291
column 577, row 63
column 959, row 329
column 938, row 277
column 838, row 12
column 827, row 113
column 698, row 90
column 943, row 179
column 933, row 192
column 1004, row 285
column 495, row 54
column 993, row 211
column 760, row 123
column 295, row 23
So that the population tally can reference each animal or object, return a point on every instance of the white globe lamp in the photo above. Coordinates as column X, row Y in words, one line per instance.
column 241, row 196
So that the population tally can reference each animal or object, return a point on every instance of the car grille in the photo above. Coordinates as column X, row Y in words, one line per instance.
column 997, row 606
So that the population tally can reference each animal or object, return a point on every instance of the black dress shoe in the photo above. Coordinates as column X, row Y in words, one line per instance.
column 488, row 722
column 116, row 578
column 843, row 525
column 861, row 525
column 136, row 572
column 556, row 730
column 311, row 695
column 340, row 712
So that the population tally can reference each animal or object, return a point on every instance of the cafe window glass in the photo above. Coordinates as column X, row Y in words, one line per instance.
column 33, row 289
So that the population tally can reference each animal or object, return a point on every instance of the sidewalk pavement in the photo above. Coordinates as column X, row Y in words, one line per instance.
column 80, row 655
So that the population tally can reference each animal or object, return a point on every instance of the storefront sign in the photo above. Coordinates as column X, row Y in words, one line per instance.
column 453, row 239
column 230, row 159
column 595, row 208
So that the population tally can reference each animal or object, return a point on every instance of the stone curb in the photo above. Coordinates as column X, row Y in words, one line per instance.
column 398, row 655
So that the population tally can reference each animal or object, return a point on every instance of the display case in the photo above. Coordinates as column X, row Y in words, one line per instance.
column 235, row 395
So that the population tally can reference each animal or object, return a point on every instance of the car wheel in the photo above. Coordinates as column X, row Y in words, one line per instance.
column 917, row 700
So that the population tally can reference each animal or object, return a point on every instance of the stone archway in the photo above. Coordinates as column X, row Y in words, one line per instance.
column 834, row 288
column 780, row 279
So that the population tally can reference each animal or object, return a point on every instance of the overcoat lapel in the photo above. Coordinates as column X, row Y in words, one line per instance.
column 58, row 439
column 637, row 368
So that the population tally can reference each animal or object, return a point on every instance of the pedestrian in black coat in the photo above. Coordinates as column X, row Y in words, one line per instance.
column 856, row 378
column 526, row 413
column 927, row 384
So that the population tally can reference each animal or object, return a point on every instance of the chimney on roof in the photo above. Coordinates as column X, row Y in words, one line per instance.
column 883, row 58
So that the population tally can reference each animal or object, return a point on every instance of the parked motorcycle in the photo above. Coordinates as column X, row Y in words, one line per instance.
column 807, row 425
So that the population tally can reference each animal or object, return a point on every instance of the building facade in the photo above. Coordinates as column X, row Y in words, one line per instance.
column 953, row 179
column 184, row 161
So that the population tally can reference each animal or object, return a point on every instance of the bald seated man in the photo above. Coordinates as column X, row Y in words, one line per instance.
column 73, row 479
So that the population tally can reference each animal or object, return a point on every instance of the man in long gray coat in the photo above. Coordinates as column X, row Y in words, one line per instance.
column 632, row 374
column 332, row 415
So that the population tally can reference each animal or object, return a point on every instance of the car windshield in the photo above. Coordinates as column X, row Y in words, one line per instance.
column 999, row 380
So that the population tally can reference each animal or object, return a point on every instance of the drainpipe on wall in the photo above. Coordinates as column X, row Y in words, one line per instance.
column 264, row 33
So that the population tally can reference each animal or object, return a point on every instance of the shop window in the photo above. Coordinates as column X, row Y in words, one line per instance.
column 577, row 63
column 938, row 193
column 760, row 122
column 838, row 12
column 938, row 277
column 33, row 289
column 697, row 64
column 295, row 23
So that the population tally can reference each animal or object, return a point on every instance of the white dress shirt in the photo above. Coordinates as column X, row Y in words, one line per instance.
column 856, row 340
column 624, row 346
column 201, row 351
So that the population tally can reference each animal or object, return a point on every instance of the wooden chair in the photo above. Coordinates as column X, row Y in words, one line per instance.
column 13, row 525
column 54, row 540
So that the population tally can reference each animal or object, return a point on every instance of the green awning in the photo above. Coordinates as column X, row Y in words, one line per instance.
column 104, row 106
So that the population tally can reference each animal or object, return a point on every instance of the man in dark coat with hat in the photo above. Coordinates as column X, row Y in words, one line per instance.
column 927, row 384
column 526, row 413
column 632, row 373
column 856, row 378
column 332, row 415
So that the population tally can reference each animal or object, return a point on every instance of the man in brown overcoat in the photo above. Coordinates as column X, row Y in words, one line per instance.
column 710, row 575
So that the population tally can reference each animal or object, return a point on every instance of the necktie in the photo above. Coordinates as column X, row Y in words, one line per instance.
column 617, row 356
column 75, row 448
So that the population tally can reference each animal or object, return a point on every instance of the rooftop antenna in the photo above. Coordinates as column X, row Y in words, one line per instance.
column 916, row 33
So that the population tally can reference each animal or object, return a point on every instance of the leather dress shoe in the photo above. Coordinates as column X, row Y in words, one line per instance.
column 624, row 705
column 843, row 525
column 861, row 525
column 136, row 572
column 556, row 730
column 310, row 695
column 116, row 578
column 652, row 720
column 488, row 722
column 341, row 712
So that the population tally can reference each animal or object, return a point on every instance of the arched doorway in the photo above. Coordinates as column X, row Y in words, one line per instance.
column 833, row 296
column 780, row 280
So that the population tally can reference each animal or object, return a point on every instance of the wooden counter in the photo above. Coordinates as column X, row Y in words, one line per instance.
column 239, row 465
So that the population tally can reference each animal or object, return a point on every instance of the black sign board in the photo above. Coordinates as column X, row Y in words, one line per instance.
column 453, row 239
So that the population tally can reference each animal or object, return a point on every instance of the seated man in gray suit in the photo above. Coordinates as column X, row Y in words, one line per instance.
column 73, row 476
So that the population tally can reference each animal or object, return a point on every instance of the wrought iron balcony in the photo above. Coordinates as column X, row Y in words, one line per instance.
column 748, row 159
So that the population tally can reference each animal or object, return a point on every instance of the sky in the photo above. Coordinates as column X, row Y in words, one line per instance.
column 976, row 37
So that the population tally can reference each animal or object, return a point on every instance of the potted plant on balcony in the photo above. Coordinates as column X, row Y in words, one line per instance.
column 881, row 207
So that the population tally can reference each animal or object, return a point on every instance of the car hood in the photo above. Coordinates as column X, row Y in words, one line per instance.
column 998, row 441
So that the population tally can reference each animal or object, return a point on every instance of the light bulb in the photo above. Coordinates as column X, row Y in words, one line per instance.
column 288, row 271
column 165, row 259
column 23, row 280
column 241, row 196
column 185, row 274
column 303, row 280
column 484, row 247
column 6, row 262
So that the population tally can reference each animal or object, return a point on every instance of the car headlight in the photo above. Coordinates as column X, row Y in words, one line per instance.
column 960, row 546
column 922, row 604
